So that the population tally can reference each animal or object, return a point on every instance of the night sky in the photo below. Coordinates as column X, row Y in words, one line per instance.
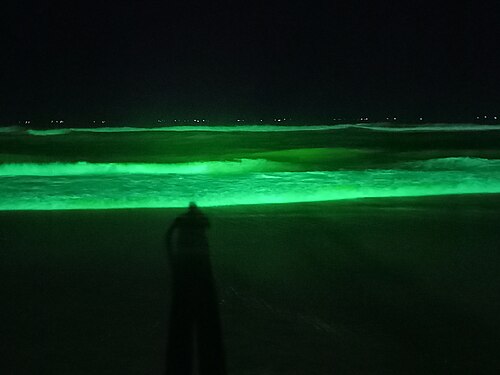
column 134, row 61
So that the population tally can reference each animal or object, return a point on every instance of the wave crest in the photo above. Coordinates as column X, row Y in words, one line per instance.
column 379, row 126
column 86, row 168
column 454, row 164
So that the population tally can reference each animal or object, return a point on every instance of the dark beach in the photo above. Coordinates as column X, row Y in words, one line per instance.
column 389, row 286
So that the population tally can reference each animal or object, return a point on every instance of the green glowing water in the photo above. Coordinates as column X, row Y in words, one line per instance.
column 131, row 168
column 271, row 128
column 103, row 186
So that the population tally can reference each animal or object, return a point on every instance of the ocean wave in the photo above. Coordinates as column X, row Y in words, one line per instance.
column 385, row 127
column 11, row 129
column 454, row 164
column 199, row 128
column 237, row 166
column 49, row 132
column 86, row 168
column 427, row 127
column 176, row 190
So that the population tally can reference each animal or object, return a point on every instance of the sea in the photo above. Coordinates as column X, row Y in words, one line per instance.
column 131, row 167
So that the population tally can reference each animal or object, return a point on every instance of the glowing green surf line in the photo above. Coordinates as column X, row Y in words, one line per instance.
column 141, row 190
column 84, row 168
column 237, row 166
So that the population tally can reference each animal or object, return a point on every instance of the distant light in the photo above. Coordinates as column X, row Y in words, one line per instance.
column 485, row 116
column 395, row 118
column 52, row 121
column 279, row 120
column 103, row 121
column 495, row 117
column 477, row 118
column 420, row 118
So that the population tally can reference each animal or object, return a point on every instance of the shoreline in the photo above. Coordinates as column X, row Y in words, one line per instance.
column 368, row 202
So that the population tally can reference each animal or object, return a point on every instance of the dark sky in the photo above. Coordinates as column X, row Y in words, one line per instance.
column 138, row 60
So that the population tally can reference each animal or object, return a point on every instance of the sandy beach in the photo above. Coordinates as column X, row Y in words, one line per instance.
column 401, row 285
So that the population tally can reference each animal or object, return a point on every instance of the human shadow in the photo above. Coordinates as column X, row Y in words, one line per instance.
column 194, row 335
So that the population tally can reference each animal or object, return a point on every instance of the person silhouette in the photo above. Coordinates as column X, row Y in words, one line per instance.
column 194, row 335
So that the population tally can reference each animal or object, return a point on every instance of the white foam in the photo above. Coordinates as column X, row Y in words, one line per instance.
column 135, row 191
column 86, row 168
column 386, row 127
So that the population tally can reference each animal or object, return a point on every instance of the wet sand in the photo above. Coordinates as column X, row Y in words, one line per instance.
column 389, row 286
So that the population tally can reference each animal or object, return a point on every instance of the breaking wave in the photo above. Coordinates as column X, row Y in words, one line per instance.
column 238, row 166
column 85, row 168
column 139, row 188
column 11, row 129
column 455, row 164
column 384, row 127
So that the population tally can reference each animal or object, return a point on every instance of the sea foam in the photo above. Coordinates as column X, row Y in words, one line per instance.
column 86, row 168
column 384, row 127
